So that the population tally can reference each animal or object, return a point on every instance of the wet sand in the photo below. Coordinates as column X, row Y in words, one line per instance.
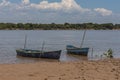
column 83, row 70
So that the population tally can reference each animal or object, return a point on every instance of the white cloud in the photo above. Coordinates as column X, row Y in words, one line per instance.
column 48, row 12
column 4, row 3
column 25, row 1
column 63, row 5
column 103, row 11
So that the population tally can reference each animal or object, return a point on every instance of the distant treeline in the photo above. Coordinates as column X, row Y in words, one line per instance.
column 53, row 26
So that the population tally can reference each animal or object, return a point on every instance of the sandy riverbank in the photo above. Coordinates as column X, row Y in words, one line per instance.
column 84, row 70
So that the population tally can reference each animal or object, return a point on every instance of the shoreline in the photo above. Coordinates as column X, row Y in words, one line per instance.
column 82, row 70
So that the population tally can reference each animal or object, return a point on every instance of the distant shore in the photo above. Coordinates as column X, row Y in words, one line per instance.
column 82, row 70
column 53, row 26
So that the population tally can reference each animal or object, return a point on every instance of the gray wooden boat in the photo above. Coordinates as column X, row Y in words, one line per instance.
column 83, row 51
column 77, row 51
column 38, row 53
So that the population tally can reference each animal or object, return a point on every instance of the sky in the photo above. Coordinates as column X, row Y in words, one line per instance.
column 59, row 11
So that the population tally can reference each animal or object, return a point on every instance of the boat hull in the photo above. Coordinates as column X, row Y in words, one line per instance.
column 39, row 54
column 77, row 51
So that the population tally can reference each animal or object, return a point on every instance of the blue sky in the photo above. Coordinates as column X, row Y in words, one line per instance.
column 60, row 11
column 108, row 4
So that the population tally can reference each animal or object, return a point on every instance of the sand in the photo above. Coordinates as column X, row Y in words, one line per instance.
column 83, row 70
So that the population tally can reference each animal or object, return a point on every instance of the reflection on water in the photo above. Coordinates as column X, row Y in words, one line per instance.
column 76, row 57
column 32, row 60
column 100, row 41
column 71, row 57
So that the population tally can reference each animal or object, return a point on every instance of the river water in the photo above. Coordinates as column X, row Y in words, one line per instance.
column 99, row 41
